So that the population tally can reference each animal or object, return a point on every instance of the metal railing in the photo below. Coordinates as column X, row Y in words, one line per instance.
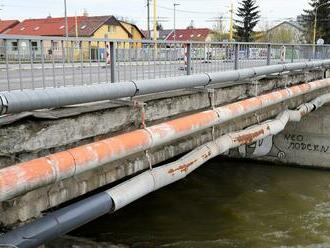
column 42, row 62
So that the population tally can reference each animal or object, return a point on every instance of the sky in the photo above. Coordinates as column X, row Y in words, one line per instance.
column 204, row 13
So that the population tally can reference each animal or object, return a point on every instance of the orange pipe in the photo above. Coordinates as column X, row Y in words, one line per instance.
column 21, row 178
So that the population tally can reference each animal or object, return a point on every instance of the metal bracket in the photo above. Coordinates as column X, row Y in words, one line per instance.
column 257, row 117
column 148, row 159
column 141, row 107
column 213, row 133
column 209, row 91
column 211, row 97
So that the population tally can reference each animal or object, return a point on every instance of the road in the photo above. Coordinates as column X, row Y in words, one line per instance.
column 75, row 74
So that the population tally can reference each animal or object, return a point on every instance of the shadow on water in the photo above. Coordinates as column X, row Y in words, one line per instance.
column 225, row 204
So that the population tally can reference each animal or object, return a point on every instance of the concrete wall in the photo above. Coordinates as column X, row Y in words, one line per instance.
column 305, row 143
column 42, row 133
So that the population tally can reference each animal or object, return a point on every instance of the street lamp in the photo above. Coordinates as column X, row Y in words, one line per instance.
column 174, row 32
column 315, row 25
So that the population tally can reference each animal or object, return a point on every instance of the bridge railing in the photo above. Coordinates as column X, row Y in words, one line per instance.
column 42, row 62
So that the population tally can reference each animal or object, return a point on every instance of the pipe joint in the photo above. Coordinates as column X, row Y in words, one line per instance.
column 136, row 89
column 210, row 79
column 3, row 105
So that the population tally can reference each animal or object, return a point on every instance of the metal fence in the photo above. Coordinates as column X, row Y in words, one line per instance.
column 41, row 62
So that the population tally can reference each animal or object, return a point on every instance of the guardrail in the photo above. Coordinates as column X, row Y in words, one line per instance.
column 42, row 62
column 17, row 101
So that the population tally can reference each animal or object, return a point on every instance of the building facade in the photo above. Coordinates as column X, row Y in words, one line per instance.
column 101, row 27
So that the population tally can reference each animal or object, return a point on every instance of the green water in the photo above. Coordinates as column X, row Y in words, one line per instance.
column 226, row 204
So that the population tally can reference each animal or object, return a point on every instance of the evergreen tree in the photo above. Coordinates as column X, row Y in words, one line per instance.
column 248, row 18
column 323, row 20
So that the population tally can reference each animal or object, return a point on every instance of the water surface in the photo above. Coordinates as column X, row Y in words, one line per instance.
column 226, row 204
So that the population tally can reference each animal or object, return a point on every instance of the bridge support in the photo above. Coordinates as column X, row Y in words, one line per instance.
column 39, row 137
column 80, row 213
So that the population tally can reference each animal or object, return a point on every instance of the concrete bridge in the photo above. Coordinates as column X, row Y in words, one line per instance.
column 67, row 148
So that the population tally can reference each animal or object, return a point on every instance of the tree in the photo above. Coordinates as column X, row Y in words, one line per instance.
column 248, row 18
column 323, row 20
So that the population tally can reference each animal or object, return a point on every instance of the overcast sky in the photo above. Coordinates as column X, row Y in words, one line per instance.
column 202, row 12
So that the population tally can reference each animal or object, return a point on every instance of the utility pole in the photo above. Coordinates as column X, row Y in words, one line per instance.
column 231, row 28
column 148, row 17
column 155, row 29
column 76, row 24
column 66, row 22
column 155, row 21
column 174, row 19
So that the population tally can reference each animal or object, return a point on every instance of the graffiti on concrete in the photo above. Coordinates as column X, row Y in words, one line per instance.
column 261, row 148
column 299, row 143
column 289, row 142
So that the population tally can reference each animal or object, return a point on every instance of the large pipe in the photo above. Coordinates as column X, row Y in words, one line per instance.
column 24, row 177
column 73, row 216
column 17, row 101
column 59, row 222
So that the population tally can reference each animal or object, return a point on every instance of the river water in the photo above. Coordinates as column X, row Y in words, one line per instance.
column 226, row 203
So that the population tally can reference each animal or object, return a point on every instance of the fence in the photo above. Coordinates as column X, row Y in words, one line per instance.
column 41, row 62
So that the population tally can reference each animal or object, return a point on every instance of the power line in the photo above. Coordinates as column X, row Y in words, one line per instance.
column 186, row 11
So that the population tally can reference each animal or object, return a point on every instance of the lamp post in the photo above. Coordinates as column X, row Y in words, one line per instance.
column 148, row 17
column 174, row 20
column 315, row 26
column 231, row 23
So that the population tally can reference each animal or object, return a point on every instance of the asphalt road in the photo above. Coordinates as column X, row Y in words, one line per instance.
column 38, row 77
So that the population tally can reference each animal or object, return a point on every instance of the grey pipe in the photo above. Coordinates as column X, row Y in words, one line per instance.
column 59, row 222
column 27, row 100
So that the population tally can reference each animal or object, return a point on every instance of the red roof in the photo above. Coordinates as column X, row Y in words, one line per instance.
column 87, row 26
column 44, row 27
column 193, row 34
column 5, row 25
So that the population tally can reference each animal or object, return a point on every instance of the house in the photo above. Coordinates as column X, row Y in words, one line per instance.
column 162, row 34
column 191, row 34
column 286, row 32
column 136, row 33
column 6, row 25
column 79, row 26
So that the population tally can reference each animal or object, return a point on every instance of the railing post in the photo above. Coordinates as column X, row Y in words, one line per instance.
column 269, row 54
column 236, row 56
column 113, row 61
column 7, row 63
column 292, row 53
column 188, row 58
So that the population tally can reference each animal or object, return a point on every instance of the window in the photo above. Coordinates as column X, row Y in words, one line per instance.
column 36, row 28
column 191, row 36
column 34, row 45
column 181, row 35
column 61, row 27
column 14, row 45
column 83, row 27
column 112, row 29
column 56, row 45
column 199, row 35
